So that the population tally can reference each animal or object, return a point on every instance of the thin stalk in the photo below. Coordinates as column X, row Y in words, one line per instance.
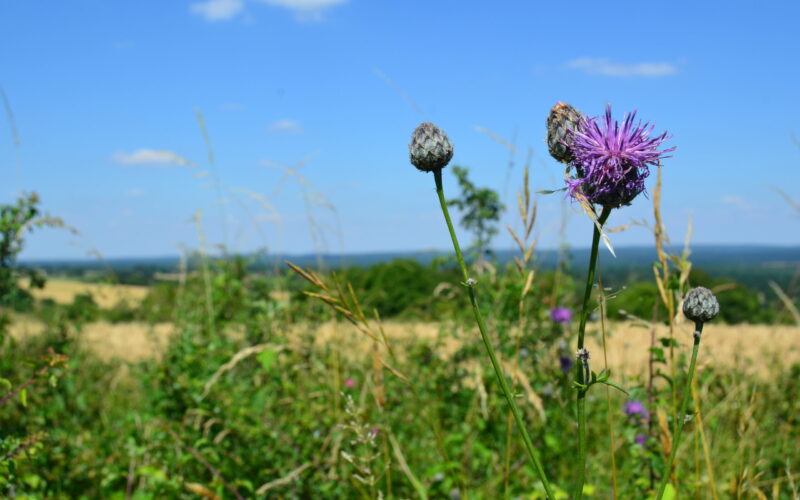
column 509, row 427
column 650, row 386
column 700, row 426
column 206, row 274
column 611, row 445
column 437, row 175
column 579, row 366
column 681, row 413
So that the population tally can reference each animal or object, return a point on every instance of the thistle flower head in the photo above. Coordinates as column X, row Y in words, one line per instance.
column 566, row 363
column 700, row 305
column 561, row 315
column 611, row 161
column 561, row 121
column 430, row 149
column 635, row 409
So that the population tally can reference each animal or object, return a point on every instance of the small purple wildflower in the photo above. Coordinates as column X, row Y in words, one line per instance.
column 641, row 439
column 635, row 409
column 374, row 432
column 561, row 315
column 349, row 383
column 566, row 363
column 611, row 161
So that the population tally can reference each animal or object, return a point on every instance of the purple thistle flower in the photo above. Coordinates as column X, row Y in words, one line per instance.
column 349, row 383
column 635, row 409
column 561, row 315
column 566, row 363
column 611, row 161
column 641, row 439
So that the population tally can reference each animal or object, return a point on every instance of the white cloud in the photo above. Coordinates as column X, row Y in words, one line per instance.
column 149, row 157
column 304, row 4
column 134, row 193
column 218, row 10
column 606, row 67
column 231, row 106
column 305, row 10
column 737, row 202
column 286, row 127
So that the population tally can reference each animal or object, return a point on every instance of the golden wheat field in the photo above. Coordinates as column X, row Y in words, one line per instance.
column 104, row 294
column 752, row 349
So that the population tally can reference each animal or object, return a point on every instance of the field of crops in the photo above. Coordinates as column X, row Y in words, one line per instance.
column 750, row 349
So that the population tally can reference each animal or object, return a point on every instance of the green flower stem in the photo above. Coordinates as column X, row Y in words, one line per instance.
column 437, row 174
column 580, row 376
column 679, row 420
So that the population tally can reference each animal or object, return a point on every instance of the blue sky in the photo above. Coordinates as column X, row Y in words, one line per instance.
column 105, row 98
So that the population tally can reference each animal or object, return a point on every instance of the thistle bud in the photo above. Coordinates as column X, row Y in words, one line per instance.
column 562, row 119
column 430, row 149
column 700, row 305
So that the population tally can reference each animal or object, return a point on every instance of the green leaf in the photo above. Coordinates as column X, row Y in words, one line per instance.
column 152, row 472
column 663, row 375
column 267, row 358
column 669, row 492
column 666, row 342
column 552, row 441
column 658, row 354
column 32, row 480
column 23, row 397
column 244, row 483
column 615, row 386
column 6, row 383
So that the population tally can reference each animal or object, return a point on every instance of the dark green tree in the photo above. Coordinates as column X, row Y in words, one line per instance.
column 15, row 220
column 480, row 211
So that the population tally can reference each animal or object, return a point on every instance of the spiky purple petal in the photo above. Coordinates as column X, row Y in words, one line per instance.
column 611, row 161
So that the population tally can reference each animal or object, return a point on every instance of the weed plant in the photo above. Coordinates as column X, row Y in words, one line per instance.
column 246, row 401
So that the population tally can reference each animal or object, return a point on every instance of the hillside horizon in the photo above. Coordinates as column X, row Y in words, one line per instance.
column 630, row 254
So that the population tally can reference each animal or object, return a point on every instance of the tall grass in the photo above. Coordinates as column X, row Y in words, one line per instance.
column 287, row 385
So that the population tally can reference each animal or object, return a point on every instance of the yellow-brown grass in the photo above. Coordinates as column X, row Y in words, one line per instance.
column 105, row 295
column 130, row 342
column 753, row 349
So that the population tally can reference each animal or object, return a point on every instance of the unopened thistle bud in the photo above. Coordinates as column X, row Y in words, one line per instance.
column 562, row 120
column 430, row 149
column 700, row 305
